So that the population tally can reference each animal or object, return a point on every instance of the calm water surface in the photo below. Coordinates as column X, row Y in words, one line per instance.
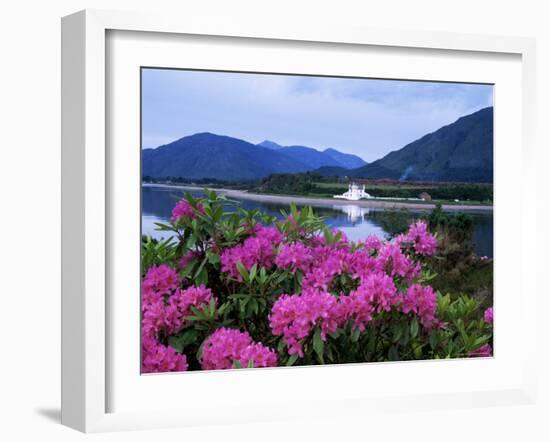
column 355, row 221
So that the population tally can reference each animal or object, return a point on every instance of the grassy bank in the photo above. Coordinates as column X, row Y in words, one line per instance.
column 310, row 184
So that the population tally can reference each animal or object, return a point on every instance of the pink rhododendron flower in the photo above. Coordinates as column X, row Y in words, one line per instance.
column 159, row 318
column 423, row 241
column 361, row 264
column 328, row 262
column 376, row 293
column 158, row 358
column 373, row 242
column 394, row 262
column 198, row 297
column 226, row 346
column 271, row 234
column 488, row 315
column 422, row 301
column 183, row 209
column 260, row 356
column 319, row 278
column 295, row 257
column 402, row 240
column 160, row 279
column 165, row 317
column 484, row 351
column 294, row 317
column 254, row 250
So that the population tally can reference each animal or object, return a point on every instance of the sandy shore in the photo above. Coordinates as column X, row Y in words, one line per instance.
column 304, row 200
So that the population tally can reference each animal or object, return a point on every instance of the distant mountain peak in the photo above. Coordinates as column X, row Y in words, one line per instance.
column 346, row 160
column 460, row 151
column 270, row 145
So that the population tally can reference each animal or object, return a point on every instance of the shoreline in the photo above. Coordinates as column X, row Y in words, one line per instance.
column 312, row 201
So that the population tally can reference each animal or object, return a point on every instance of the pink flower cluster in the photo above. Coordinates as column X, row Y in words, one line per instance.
column 488, row 315
column 164, row 307
column 422, row 240
column 183, row 209
column 226, row 346
column 294, row 256
column 422, row 301
column 372, row 242
column 272, row 234
column 370, row 272
column 394, row 262
column 254, row 250
column 159, row 318
column 198, row 297
column 158, row 358
column 166, row 314
column 294, row 317
column 158, row 281
column 376, row 293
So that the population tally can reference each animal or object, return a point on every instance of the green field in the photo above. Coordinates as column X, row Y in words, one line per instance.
column 314, row 185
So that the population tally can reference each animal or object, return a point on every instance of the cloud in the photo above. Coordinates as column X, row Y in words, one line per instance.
column 365, row 117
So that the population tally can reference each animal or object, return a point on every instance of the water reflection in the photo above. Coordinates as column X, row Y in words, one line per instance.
column 355, row 221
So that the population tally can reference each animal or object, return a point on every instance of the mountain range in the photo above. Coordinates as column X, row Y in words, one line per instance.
column 460, row 151
column 207, row 155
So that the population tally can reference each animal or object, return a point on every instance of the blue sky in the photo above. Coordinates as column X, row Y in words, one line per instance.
column 365, row 117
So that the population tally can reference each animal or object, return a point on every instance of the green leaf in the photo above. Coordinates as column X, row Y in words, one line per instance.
column 164, row 227
column 212, row 307
column 292, row 360
column 213, row 258
column 253, row 307
column 202, row 277
column 192, row 318
column 237, row 364
column 250, row 364
column 181, row 341
column 252, row 274
column 242, row 305
column 203, row 262
column 393, row 353
column 414, row 327
column 397, row 332
column 225, row 306
column 355, row 333
column 188, row 269
column 242, row 270
column 433, row 339
column 318, row 344
column 263, row 275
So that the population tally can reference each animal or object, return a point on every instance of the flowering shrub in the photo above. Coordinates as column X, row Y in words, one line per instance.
column 228, row 348
column 294, row 318
column 237, row 289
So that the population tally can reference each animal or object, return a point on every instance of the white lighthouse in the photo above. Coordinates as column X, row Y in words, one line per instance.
column 354, row 193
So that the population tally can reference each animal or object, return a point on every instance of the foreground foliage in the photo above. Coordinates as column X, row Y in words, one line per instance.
column 236, row 289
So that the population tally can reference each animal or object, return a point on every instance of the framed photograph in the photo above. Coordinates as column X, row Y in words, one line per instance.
column 255, row 213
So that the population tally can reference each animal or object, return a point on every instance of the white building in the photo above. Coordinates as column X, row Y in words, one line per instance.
column 354, row 193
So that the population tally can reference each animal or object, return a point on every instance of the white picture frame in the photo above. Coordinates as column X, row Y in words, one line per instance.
column 87, row 212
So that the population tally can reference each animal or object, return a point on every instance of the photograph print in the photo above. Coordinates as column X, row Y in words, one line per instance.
column 301, row 220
